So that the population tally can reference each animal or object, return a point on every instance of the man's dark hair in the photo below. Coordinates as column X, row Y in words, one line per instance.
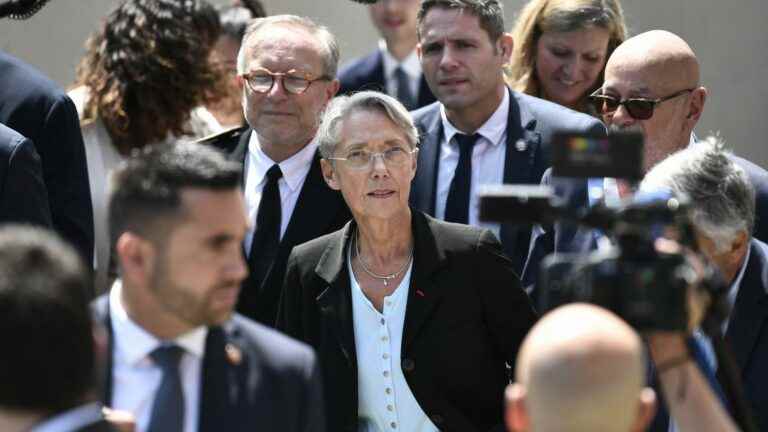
column 47, row 363
column 234, row 20
column 146, row 189
column 255, row 6
column 489, row 12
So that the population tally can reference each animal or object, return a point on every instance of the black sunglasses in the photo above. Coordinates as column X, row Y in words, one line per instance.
column 638, row 108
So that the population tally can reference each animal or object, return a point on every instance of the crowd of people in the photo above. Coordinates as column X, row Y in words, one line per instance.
column 219, row 229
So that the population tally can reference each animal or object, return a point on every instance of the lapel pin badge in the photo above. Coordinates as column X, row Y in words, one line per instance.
column 234, row 355
column 521, row 145
column 420, row 293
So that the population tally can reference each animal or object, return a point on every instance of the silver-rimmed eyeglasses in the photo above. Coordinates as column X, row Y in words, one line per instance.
column 360, row 159
column 261, row 80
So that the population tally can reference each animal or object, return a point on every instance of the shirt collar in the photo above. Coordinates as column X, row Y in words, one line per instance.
column 493, row 129
column 294, row 169
column 133, row 344
column 410, row 64
column 71, row 420
column 734, row 289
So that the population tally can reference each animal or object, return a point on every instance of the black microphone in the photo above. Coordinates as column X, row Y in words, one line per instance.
column 21, row 9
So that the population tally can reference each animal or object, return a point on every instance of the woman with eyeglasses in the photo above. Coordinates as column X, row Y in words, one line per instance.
column 561, row 47
column 414, row 319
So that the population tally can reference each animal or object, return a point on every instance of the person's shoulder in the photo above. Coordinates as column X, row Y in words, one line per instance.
column 426, row 114
column 28, row 80
column 9, row 138
column 554, row 114
column 312, row 250
column 357, row 68
column 227, row 140
column 456, row 236
column 273, row 348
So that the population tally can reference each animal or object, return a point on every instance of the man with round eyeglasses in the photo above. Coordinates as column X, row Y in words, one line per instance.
column 287, row 65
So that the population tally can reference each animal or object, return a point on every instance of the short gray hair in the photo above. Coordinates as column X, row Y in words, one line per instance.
column 324, row 36
column 340, row 107
column 720, row 193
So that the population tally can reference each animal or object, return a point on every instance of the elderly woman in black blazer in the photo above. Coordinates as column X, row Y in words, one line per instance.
column 414, row 320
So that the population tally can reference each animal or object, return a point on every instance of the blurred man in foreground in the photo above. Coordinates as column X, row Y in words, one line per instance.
column 581, row 368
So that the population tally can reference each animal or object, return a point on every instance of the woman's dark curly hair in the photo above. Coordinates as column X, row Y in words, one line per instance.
column 147, row 68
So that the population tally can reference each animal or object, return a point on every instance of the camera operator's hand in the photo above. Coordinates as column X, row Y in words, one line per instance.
column 690, row 399
column 699, row 299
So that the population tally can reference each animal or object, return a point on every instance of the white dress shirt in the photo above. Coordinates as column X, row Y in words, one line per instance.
column 385, row 402
column 73, row 419
column 410, row 65
column 295, row 170
column 488, row 157
column 135, row 377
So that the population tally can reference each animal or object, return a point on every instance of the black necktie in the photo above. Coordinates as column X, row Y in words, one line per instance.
column 457, row 204
column 404, row 94
column 266, row 238
column 168, row 408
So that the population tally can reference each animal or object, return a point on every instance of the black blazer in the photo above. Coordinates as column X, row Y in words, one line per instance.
column 747, row 332
column 274, row 386
column 465, row 318
column 530, row 125
column 23, row 197
column 319, row 210
column 367, row 73
column 37, row 108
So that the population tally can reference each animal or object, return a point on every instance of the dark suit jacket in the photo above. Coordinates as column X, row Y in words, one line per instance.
column 319, row 210
column 532, row 121
column 35, row 107
column 275, row 386
column 367, row 73
column 747, row 332
column 100, row 426
column 759, row 178
column 23, row 198
column 465, row 317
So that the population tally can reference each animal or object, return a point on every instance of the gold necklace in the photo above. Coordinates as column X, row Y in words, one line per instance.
column 383, row 278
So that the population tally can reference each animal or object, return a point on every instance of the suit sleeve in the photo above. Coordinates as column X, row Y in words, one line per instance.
column 542, row 244
column 25, row 198
column 67, row 176
column 508, row 310
column 314, row 406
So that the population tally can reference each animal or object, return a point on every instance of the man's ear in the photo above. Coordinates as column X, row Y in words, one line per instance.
column 333, row 89
column 696, row 105
column 136, row 256
column 515, row 415
column 505, row 45
column 646, row 409
column 329, row 174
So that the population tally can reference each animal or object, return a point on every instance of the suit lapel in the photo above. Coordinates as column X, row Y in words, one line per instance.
column 522, row 145
column 100, row 309
column 425, row 182
column 336, row 300
column 751, row 307
column 224, row 376
column 377, row 72
column 315, row 209
column 424, row 294
column 240, row 152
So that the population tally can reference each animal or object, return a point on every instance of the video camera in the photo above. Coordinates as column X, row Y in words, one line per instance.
column 648, row 288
